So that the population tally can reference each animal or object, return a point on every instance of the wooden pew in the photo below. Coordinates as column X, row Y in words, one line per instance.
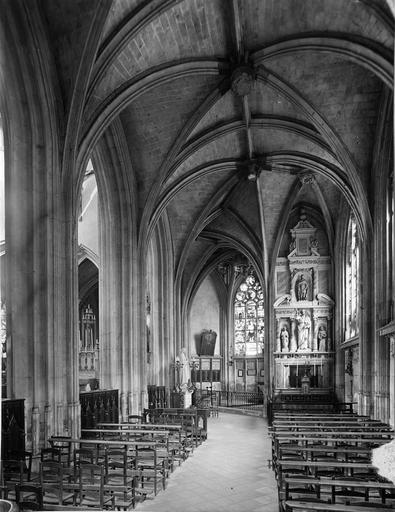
column 325, row 489
column 298, row 440
column 311, row 467
column 292, row 505
column 296, row 427
column 101, row 433
column 309, row 451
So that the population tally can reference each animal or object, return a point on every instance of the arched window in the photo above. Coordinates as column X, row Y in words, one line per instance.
column 88, row 281
column 352, row 280
column 249, row 318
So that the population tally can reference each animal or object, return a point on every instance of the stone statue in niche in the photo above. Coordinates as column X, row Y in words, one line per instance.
column 321, row 338
column 304, row 325
column 284, row 337
column 301, row 288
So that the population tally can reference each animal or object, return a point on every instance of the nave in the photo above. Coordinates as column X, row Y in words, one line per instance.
column 221, row 465
column 228, row 472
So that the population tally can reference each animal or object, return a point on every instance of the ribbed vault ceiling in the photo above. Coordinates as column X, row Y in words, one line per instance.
column 165, row 70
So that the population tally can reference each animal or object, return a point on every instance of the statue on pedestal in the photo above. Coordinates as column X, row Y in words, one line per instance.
column 301, row 288
column 185, row 371
column 321, row 339
column 284, row 337
column 304, row 325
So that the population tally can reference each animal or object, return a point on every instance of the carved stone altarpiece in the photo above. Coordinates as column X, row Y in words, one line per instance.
column 303, row 314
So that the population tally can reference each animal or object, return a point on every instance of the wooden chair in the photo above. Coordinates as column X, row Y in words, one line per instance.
column 29, row 497
column 152, row 469
column 120, row 481
column 26, row 458
column 57, row 483
column 91, row 488
column 64, row 447
column 12, row 474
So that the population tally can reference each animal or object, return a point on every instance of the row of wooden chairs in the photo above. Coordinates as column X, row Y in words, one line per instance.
column 114, row 483
column 319, row 466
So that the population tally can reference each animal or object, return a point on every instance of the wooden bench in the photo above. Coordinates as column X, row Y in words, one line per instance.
column 309, row 451
column 291, row 505
column 311, row 467
column 331, row 484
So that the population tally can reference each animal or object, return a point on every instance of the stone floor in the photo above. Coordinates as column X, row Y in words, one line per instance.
column 228, row 472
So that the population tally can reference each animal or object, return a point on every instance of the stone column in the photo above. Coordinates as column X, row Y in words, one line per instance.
column 124, row 407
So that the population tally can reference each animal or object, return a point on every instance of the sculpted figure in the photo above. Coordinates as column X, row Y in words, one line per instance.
column 304, row 325
column 321, row 338
column 284, row 337
column 302, row 288
column 185, row 371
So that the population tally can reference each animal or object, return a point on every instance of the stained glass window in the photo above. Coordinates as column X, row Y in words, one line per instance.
column 249, row 318
column 352, row 280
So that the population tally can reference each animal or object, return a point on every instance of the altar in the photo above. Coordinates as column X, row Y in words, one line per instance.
column 303, row 355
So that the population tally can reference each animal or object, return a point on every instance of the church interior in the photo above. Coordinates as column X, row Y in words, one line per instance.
column 197, row 215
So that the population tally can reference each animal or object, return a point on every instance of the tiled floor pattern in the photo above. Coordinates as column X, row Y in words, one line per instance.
column 227, row 473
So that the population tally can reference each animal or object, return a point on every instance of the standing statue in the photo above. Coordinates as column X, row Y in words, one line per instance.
column 185, row 371
column 304, row 325
column 284, row 337
column 321, row 338
column 301, row 288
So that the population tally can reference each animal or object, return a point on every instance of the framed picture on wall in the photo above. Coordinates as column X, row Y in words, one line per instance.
column 240, row 373
column 251, row 372
column 262, row 373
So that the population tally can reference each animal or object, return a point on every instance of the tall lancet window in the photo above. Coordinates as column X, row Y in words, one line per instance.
column 352, row 280
column 249, row 318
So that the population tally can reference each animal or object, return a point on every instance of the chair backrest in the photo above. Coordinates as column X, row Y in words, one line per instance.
column 146, row 454
column 51, row 454
column 115, row 455
column 91, row 474
column 13, row 471
column 117, row 470
column 83, row 456
column 29, row 497
column 63, row 446
column 26, row 457
column 50, row 472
